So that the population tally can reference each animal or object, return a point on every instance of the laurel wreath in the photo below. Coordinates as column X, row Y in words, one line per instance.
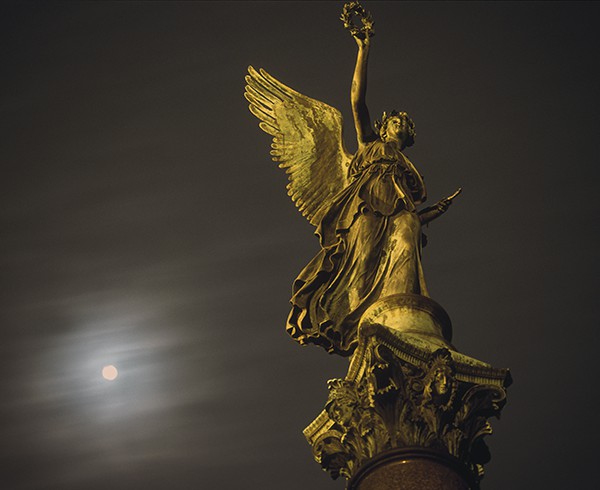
column 355, row 8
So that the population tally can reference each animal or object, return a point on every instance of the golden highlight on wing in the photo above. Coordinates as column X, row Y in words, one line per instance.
column 307, row 141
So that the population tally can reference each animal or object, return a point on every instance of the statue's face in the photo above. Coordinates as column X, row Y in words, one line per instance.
column 397, row 129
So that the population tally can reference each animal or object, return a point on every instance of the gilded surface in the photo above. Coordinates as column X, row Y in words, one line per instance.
column 364, row 206
column 364, row 294
column 397, row 395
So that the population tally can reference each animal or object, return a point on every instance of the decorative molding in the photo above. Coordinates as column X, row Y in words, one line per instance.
column 398, row 394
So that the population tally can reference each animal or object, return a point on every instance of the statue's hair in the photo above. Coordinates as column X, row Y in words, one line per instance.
column 381, row 126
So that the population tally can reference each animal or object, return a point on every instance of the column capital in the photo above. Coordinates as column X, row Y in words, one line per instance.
column 406, row 395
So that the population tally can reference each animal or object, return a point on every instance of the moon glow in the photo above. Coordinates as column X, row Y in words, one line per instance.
column 110, row 372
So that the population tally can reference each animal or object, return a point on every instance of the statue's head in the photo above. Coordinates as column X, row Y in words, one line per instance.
column 396, row 126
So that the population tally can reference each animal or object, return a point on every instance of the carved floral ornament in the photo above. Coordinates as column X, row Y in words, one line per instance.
column 396, row 404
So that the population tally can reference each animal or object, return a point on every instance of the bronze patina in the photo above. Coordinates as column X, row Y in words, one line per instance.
column 364, row 294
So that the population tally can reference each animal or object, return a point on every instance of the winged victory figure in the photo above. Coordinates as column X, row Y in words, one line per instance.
column 364, row 206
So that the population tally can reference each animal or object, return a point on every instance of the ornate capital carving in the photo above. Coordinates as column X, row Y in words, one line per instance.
column 402, row 392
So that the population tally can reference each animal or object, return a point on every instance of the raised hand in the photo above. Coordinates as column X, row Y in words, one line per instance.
column 361, row 35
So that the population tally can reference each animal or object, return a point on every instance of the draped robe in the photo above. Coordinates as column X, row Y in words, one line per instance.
column 370, row 241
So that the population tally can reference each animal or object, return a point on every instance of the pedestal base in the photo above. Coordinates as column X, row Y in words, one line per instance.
column 412, row 469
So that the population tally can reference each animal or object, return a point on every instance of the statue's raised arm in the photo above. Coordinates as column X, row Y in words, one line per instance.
column 358, row 92
column 364, row 206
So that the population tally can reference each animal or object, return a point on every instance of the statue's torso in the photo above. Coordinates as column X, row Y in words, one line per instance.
column 385, row 179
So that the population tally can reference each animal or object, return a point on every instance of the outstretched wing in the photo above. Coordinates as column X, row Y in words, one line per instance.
column 307, row 141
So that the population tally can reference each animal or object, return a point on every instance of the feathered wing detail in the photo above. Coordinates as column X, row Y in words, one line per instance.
column 307, row 141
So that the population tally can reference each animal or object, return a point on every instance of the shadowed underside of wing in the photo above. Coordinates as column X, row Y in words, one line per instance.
column 307, row 141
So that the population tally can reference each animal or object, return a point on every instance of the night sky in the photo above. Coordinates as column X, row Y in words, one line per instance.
column 144, row 225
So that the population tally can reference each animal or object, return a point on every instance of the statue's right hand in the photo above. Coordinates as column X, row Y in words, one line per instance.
column 362, row 40
column 362, row 34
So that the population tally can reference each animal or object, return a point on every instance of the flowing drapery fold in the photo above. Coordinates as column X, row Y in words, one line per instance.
column 370, row 241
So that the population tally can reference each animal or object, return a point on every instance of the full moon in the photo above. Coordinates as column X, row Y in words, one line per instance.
column 110, row 372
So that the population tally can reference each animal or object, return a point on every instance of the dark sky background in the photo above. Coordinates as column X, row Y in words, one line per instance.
column 144, row 225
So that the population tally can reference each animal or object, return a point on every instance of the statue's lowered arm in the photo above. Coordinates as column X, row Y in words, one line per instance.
column 432, row 212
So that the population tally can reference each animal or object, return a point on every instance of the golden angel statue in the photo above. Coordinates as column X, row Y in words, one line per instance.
column 364, row 206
